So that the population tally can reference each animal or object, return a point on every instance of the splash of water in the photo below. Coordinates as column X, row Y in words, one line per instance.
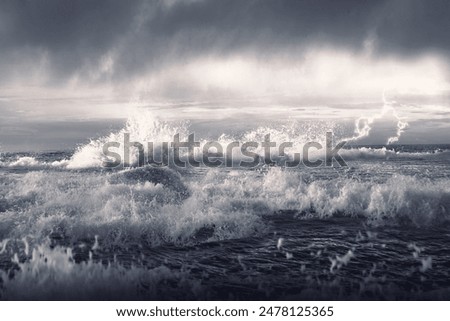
column 364, row 124
column 142, row 126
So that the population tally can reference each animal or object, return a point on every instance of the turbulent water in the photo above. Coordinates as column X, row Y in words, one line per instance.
column 376, row 229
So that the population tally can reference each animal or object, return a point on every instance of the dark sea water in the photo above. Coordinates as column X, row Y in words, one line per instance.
column 376, row 229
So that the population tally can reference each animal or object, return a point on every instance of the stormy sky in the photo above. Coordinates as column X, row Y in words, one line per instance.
column 86, row 64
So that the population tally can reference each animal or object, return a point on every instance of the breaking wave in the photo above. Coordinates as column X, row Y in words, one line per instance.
column 144, row 127
column 164, row 205
column 64, row 218
column 161, row 206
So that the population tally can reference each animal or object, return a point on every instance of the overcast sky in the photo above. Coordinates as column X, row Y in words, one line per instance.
column 92, row 61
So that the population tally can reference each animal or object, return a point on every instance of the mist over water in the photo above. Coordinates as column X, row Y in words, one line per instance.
column 373, row 229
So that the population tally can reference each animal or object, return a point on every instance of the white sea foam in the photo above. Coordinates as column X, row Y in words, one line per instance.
column 161, row 206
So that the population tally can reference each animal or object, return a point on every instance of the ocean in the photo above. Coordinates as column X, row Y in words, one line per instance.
column 376, row 229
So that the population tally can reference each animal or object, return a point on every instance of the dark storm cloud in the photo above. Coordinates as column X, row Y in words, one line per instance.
column 141, row 36
column 71, row 33
column 411, row 27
